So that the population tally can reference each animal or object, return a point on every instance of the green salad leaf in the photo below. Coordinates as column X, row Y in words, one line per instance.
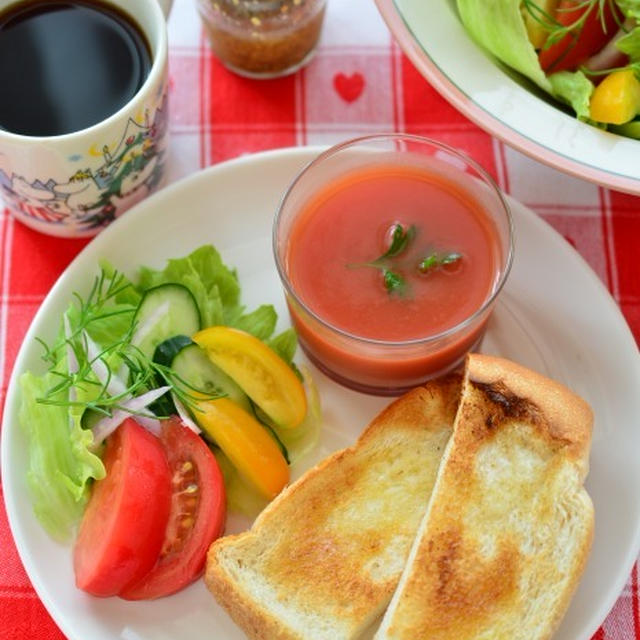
column 261, row 323
column 498, row 26
column 285, row 344
column 128, row 293
column 630, row 44
column 630, row 8
column 213, row 285
column 60, row 462
column 575, row 89
column 216, row 290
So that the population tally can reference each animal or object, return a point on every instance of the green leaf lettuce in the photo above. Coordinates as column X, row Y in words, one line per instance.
column 575, row 89
column 498, row 26
column 60, row 463
column 213, row 285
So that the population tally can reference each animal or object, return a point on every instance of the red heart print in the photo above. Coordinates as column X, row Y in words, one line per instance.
column 350, row 87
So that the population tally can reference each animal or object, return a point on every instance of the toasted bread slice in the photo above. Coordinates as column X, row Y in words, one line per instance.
column 509, row 525
column 321, row 562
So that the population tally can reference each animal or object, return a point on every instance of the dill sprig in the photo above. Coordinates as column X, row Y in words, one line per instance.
column 138, row 372
column 143, row 375
column 557, row 30
column 186, row 392
column 99, row 305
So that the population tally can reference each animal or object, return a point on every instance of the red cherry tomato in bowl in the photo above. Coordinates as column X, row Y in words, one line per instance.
column 122, row 529
column 197, row 517
column 576, row 48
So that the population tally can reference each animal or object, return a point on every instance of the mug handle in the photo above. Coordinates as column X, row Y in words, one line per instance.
column 165, row 5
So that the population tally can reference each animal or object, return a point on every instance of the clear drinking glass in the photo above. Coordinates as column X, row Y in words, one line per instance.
column 382, row 366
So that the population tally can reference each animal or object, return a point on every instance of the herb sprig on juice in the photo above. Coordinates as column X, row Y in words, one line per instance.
column 396, row 266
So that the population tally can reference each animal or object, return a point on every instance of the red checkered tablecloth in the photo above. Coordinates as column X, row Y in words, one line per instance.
column 358, row 83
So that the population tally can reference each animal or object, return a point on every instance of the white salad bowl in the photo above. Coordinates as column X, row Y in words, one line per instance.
column 504, row 103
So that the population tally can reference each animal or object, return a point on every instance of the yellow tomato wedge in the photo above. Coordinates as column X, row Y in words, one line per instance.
column 534, row 21
column 247, row 444
column 616, row 99
column 263, row 375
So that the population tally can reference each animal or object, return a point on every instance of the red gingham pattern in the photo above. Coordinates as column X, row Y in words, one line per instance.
column 358, row 83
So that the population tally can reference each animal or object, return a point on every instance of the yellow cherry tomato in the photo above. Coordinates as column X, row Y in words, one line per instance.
column 247, row 444
column 616, row 99
column 534, row 21
column 261, row 373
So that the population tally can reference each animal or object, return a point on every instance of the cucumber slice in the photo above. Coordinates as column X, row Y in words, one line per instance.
column 166, row 351
column 270, row 427
column 629, row 129
column 165, row 311
column 90, row 417
column 190, row 362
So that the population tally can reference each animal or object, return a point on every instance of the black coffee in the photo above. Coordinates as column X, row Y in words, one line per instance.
column 65, row 66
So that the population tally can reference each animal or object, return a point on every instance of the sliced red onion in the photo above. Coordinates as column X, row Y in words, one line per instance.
column 105, row 427
column 149, row 324
column 114, row 385
column 610, row 56
column 150, row 424
column 184, row 415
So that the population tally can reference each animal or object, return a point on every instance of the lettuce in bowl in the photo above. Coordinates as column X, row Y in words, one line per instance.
column 503, row 28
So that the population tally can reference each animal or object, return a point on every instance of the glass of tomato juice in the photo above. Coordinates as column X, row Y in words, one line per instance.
column 392, row 250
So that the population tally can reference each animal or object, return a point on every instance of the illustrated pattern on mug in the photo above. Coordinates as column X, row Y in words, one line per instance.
column 94, row 196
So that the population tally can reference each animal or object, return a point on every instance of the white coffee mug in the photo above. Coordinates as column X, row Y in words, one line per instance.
column 74, row 184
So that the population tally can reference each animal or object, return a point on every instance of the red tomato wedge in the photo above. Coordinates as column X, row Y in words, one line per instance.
column 575, row 48
column 197, row 517
column 122, row 529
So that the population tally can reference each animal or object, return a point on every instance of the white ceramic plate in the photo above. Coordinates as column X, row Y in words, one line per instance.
column 503, row 103
column 554, row 315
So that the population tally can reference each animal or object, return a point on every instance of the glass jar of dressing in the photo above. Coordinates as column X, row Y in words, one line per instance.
column 263, row 38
